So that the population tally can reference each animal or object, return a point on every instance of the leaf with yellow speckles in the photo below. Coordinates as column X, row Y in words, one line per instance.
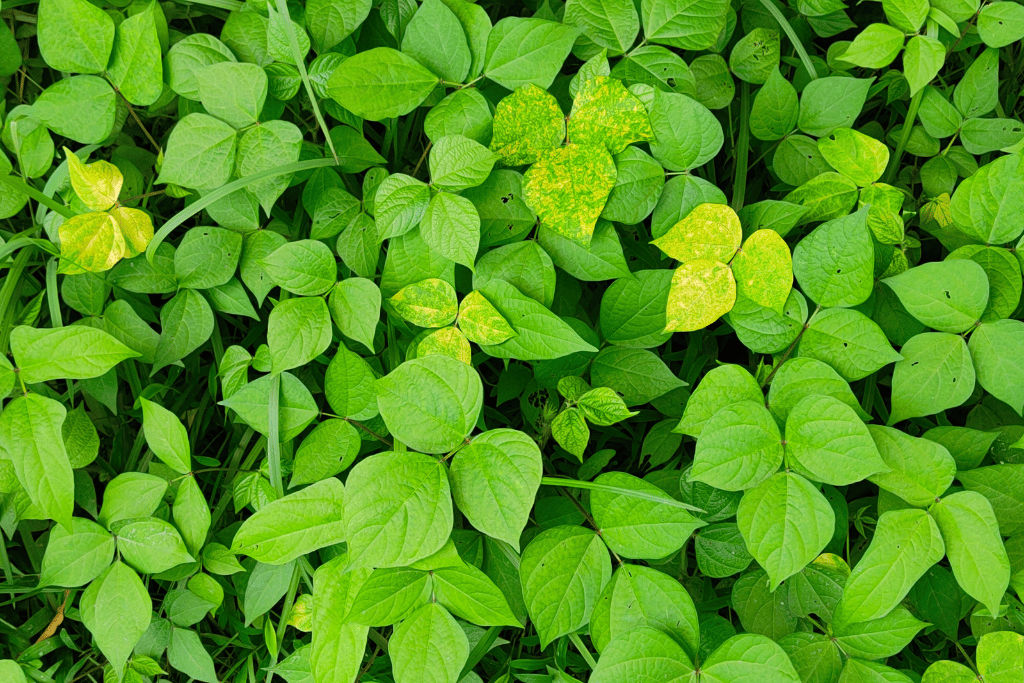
column 701, row 292
column 527, row 123
column 97, row 184
column 90, row 242
column 568, row 188
column 447, row 341
column 605, row 113
column 427, row 303
column 710, row 231
column 884, row 215
column 481, row 322
column 764, row 270
column 136, row 227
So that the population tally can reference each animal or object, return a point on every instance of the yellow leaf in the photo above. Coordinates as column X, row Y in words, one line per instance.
column 764, row 270
column 97, row 184
column 527, row 123
column 481, row 322
column 301, row 616
column 701, row 292
column 710, row 231
column 136, row 227
column 605, row 113
column 447, row 341
column 90, row 242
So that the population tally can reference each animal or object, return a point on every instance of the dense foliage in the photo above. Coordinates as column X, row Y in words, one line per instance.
column 628, row 341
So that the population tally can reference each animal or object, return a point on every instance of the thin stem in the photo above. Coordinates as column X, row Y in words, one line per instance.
column 594, row 486
column 908, row 128
column 793, row 38
column 739, row 186
column 274, row 438
column 789, row 350
column 578, row 642
column 11, row 285
column 21, row 186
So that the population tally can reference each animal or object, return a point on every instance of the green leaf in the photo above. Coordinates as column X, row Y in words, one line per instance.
column 749, row 657
column 633, row 309
column 523, row 264
column 701, row 292
column 859, row 157
column 879, row 638
column 330, row 448
column 540, row 334
column 200, row 153
column 827, row 442
column 739, row 447
column 921, row 470
column 568, row 188
column 875, row 47
column 495, row 481
column 135, row 66
column 639, row 528
column 296, row 409
column 975, row 546
column 775, row 110
column 814, row 657
column 151, row 545
column 187, row 654
column 906, row 543
column 1000, row 655
column 993, row 348
column 603, row 407
column 298, row 331
column 605, row 113
column 398, row 508
column 186, row 323
column 613, row 25
column 639, row 375
column 233, row 91
column 922, row 60
column 570, row 431
column 835, row 263
column 400, row 203
column 467, row 592
column 603, row 259
column 949, row 296
column 977, row 92
column 639, row 182
column 464, row 112
column 457, row 163
column 523, row 51
column 799, row 378
column 527, row 123
column 74, row 35
column 295, row 525
column 390, row 595
column 451, row 227
column 435, row 38
column 30, row 433
column 569, row 562
column 381, row 83
column 847, row 340
column 305, row 267
column 1000, row 24
column 638, row 597
column 721, row 387
column 756, row 56
column 355, row 308
column 431, row 403
column 786, row 523
column 686, row 24
column 984, row 205
column 11, row 671
column 74, row 352
column 643, row 655
column 116, row 608
column 207, row 257
column 936, row 373
column 192, row 515
column 76, row 558
column 270, row 145
column 166, row 436
column 131, row 495
column 832, row 102
column 761, row 609
column 687, row 134
column 428, row 647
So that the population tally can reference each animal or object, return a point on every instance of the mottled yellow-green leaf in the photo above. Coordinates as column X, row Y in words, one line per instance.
column 710, row 231
column 825, row 196
column 938, row 210
column 90, row 242
column 301, row 616
column 97, row 184
column 605, row 113
column 568, row 188
column 764, row 270
column 447, row 341
column 897, row 264
column 884, row 219
column 136, row 227
column 527, row 123
column 859, row 157
column 701, row 292
column 481, row 322
column 427, row 303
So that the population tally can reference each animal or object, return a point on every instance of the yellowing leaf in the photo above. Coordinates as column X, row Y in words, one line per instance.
column 568, row 188
column 701, row 292
column 938, row 210
column 710, row 231
column 301, row 616
column 447, row 341
column 527, row 123
column 97, row 184
column 481, row 322
column 90, row 242
column 764, row 270
column 605, row 113
column 136, row 227
column 428, row 303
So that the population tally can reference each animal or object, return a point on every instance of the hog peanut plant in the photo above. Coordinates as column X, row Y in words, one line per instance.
column 511, row 341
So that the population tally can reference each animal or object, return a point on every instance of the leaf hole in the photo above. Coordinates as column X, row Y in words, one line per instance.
column 946, row 292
